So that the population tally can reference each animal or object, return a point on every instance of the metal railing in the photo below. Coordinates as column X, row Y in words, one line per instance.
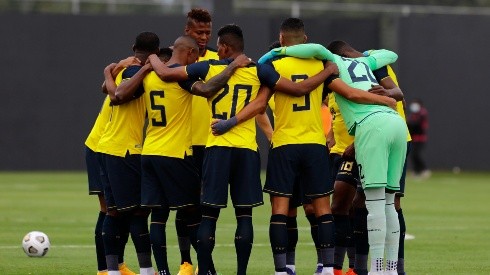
column 293, row 8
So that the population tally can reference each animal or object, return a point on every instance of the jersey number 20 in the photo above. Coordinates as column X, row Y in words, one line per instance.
column 234, row 102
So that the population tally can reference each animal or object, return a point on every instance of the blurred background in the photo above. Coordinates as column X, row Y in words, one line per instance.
column 54, row 52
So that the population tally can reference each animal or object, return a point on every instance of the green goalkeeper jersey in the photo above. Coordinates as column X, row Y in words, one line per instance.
column 355, row 72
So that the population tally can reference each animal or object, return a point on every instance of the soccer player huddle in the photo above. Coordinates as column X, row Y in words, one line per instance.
column 201, row 107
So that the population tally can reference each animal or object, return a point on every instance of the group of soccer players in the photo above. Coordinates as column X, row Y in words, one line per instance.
column 185, row 161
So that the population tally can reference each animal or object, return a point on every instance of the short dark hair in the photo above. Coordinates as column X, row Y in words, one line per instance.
column 147, row 42
column 292, row 24
column 199, row 15
column 232, row 36
column 338, row 47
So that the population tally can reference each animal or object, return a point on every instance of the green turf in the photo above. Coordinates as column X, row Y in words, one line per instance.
column 447, row 214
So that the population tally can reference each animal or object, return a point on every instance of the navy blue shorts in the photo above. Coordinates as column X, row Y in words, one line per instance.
column 344, row 170
column 401, row 192
column 238, row 167
column 95, row 186
column 122, row 181
column 309, row 162
column 169, row 182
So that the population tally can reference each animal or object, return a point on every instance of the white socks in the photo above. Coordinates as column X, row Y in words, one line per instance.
column 383, row 230
column 392, row 233
column 147, row 271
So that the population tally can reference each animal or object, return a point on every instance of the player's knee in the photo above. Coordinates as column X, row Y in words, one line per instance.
column 309, row 209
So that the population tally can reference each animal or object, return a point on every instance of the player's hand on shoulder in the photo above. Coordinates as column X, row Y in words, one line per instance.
column 242, row 61
column 332, row 67
column 129, row 61
column 110, row 67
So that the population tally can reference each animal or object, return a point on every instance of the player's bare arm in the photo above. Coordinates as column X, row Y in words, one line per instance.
column 256, row 106
column 132, row 60
column 265, row 125
column 109, row 84
column 125, row 91
column 388, row 88
column 212, row 86
column 304, row 87
column 360, row 96
column 165, row 73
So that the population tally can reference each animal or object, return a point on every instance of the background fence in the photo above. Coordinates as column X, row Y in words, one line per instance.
column 52, row 71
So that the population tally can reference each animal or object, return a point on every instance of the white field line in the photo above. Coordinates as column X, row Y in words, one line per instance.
column 407, row 237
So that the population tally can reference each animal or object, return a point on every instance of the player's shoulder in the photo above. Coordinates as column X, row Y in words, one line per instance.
column 130, row 71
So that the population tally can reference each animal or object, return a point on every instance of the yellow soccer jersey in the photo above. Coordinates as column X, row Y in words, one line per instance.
column 124, row 131
column 340, row 133
column 298, row 119
column 399, row 104
column 241, row 88
column 99, row 126
column 168, row 107
column 272, row 105
column 200, row 122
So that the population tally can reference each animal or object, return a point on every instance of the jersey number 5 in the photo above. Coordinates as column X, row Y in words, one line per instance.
column 158, row 108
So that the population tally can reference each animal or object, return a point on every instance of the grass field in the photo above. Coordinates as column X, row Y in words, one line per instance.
column 447, row 214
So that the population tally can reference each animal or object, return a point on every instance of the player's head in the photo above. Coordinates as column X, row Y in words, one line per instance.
column 274, row 45
column 146, row 43
column 343, row 48
column 230, row 41
column 199, row 26
column 165, row 54
column 292, row 32
column 185, row 47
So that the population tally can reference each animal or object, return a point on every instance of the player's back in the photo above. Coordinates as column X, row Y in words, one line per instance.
column 357, row 74
column 168, row 107
column 124, row 131
column 241, row 88
column 298, row 119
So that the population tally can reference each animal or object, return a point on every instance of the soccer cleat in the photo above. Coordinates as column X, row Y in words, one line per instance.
column 391, row 272
column 350, row 272
column 290, row 271
column 337, row 271
column 186, row 269
column 123, row 268
column 318, row 270
column 376, row 273
column 105, row 272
